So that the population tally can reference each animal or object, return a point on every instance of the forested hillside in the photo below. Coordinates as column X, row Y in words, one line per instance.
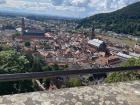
column 125, row 20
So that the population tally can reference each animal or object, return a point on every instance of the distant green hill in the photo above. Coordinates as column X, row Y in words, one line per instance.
column 125, row 20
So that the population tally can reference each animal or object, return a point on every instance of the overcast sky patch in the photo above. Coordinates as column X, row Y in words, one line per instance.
column 69, row 8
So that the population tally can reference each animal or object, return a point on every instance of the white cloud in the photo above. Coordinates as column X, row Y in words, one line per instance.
column 57, row 2
column 2, row 1
column 68, row 7
column 109, row 5
column 79, row 2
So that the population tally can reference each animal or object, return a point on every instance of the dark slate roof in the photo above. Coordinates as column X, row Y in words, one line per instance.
column 34, row 33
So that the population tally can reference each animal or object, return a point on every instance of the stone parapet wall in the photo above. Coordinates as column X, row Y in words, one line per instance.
column 126, row 93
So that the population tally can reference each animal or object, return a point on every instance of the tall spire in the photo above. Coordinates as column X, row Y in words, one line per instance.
column 93, row 32
column 23, row 25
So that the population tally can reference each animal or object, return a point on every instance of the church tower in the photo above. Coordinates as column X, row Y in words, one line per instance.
column 23, row 26
column 93, row 32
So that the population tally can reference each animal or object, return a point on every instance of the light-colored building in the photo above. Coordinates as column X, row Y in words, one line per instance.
column 99, row 44
column 122, row 55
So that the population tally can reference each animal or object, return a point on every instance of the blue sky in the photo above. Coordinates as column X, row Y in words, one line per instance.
column 68, row 8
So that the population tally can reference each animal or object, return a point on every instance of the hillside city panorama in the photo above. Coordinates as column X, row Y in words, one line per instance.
column 63, row 35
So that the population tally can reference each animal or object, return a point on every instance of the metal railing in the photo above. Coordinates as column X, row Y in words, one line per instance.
column 39, row 75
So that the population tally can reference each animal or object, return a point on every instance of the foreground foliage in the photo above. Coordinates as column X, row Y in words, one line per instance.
column 12, row 62
column 125, row 76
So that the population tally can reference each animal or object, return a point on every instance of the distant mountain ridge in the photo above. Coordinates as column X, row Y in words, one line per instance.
column 32, row 16
column 125, row 20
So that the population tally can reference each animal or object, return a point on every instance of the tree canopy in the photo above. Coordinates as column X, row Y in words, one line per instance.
column 125, row 20
column 27, row 44
column 12, row 62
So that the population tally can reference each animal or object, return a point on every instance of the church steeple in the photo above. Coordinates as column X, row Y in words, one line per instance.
column 93, row 32
column 23, row 25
